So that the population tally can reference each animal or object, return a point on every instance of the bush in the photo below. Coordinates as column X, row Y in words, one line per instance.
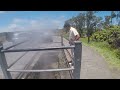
column 116, row 43
column 112, row 36
column 118, row 53
column 100, row 36
column 110, row 41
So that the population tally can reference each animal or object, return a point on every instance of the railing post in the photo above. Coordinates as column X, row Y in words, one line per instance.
column 4, row 65
column 61, row 40
column 77, row 59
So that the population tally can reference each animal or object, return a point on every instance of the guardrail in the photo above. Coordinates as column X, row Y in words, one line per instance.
column 77, row 59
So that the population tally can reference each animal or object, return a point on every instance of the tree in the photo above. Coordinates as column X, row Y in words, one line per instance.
column 118, row 17
column 113, row 15
column 96, row 23
column 78, row 22
column 90, row 21
column 86, row 21
column 107, row 21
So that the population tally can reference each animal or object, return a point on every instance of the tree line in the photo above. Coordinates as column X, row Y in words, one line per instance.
column 87, row 22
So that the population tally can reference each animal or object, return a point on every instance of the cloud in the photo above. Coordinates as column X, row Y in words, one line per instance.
column 62, row 17
column 1, row 12
column 41, row 24
column 12, row 26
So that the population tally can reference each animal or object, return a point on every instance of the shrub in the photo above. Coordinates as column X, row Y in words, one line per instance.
column 100, row 36
column 112, row 36
column 116, row 43
column 118, row 53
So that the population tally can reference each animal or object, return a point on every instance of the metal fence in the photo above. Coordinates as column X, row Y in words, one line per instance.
column 77, row 48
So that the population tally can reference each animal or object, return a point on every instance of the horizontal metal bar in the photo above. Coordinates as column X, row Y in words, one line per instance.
column 41, row 49
column 15, row 45
column 47, row 70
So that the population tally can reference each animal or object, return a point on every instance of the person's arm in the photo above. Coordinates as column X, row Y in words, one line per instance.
column 77, row 36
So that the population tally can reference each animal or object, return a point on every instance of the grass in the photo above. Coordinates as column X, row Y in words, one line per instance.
column 106, row 51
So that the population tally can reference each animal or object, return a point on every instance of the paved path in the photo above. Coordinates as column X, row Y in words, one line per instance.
column 93, row 66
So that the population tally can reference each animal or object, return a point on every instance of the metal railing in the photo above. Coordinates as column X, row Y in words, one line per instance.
column 77, row 59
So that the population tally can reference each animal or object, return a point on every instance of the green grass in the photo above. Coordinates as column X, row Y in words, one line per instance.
column 106, row 51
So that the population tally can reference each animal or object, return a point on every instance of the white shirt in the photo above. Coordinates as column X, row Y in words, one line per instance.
column 72, row 33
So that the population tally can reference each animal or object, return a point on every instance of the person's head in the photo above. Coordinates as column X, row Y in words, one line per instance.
column 67, row 26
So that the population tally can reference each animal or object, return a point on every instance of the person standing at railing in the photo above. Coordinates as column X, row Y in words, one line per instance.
column 73, row 35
